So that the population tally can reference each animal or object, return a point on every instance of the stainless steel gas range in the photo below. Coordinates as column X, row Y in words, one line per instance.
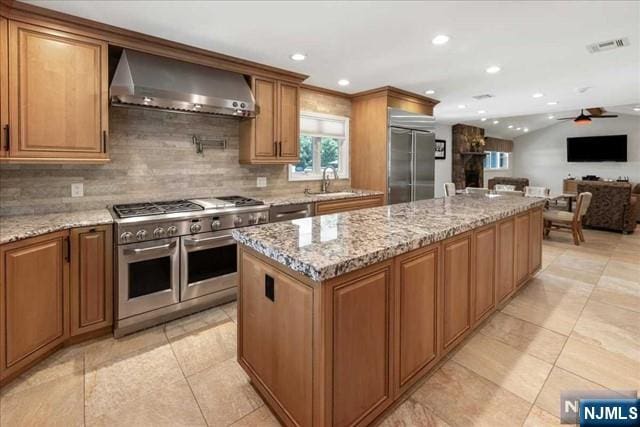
column 177, row 257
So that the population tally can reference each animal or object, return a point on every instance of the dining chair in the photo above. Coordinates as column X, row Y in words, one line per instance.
column 568, row 221
column 510, row 192
column 536, row 191
column 449, row 189
column 504, row 187
column 477, row 190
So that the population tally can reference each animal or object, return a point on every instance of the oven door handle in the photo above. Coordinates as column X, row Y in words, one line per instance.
column 151, row 249
column 206, row 240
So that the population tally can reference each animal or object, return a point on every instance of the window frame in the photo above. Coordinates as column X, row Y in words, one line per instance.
column 343, row 155
column 498, row 153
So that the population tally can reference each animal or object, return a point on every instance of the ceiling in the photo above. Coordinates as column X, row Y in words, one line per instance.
column 534, row 122
column 540, row 46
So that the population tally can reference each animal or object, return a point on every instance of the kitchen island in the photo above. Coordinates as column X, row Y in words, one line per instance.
column 340, row 315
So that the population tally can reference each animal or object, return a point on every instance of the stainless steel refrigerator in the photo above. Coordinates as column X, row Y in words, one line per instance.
column 411, row 159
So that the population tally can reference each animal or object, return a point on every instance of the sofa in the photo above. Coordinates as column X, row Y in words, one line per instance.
column 519, row 183
column 613, row 205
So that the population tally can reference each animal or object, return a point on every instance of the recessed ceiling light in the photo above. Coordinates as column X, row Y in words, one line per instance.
column 636, row 108
column 461, row 106
column 298, row 56
column 495, row 122
column 510, row 126
column 429, row 92
column 343, row 82
column 538, row 95
column 526, row 129
column 493, row 69
column 518, row 128
column 481, row 111
column 440, row 39
column 552, row 103
column 550, row 116
column 484, row 119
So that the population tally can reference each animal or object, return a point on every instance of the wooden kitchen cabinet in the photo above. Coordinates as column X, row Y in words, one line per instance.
column 484, row 272
column 522, row 248
column 505, row 270
column 4, row 86
column 457, row 289
column 417, row 288
column 344, row 205
column 91, row 279
column 535, row 240
column 58, row 96
column 34, row 300
column 272, row 137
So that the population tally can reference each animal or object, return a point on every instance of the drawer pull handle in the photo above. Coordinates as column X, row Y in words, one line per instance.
column 269, row 288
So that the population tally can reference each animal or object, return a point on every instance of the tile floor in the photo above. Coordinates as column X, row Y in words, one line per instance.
column 575, row 326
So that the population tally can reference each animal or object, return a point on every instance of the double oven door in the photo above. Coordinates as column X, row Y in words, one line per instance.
column 160, row 273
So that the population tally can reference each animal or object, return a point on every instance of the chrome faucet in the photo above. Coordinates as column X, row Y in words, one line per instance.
column 325, row 182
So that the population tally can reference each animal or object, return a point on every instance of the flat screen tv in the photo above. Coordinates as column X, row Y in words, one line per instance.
column 609, row 148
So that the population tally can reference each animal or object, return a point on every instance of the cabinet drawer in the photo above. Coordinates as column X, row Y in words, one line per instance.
column 344, row 205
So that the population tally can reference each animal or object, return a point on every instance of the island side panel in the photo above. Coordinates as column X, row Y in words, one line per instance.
column 275, row 337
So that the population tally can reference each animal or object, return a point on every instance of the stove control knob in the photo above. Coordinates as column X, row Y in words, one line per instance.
column 262, row 218
column 171, row 230
column 141, row 235
column 253, row 219
column 238, row 221
column 215, row 224
column 126, row 237
column 195, row 228
column 158, row 232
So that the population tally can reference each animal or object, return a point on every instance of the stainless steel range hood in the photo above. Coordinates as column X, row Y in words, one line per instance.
column 148, row 81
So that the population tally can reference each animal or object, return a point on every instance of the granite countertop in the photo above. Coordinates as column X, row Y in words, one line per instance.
column 13, row 228
column 296, row 198
column 327, row 246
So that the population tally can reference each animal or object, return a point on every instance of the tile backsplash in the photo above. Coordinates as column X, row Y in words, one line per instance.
column 153, row 158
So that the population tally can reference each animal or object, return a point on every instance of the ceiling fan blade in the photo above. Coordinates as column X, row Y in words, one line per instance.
column 566, row 118
column 608, row 116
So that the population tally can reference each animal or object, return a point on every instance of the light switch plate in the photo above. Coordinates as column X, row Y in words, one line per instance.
column 261, row 181
column 77, row 190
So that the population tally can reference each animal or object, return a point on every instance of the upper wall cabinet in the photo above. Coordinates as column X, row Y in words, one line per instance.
column 57, row 97
column 4, row 86
column 272, row 137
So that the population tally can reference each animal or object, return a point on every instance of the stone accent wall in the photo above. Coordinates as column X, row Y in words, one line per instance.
column 153, row 158
column 463, row 163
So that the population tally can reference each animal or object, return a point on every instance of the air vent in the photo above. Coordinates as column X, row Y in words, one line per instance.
column 608, row 45
column 483, row 96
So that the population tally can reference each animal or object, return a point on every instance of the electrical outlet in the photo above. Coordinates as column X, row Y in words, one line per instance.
column 77, row 190
column 261, row 181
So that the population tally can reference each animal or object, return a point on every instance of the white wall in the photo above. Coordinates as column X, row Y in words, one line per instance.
column 443, row 167
column 541, row 156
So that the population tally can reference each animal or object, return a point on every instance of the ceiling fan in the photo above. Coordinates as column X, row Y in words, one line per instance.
column 595, row 113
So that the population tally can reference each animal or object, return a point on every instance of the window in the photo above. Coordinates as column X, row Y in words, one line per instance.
column 496, row 160
column 324, row 141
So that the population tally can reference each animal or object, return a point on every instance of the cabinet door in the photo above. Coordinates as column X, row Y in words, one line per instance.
column 457, row 289
column 288, row 120
column 361, row 354
column 276, row 333
column 484, row 259
column 4, row 86
column 416, row 314
column 58, row 94
column 265, row 137
column 535, row 240
column 522, row 248
column 506, row 258
column 33, row 299
column 91, row 279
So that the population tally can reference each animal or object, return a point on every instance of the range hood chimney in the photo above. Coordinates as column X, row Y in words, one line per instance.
column 148, row 81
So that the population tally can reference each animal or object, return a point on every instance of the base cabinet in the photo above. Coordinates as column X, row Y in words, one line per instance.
column 91, row 279
column 34, row 292
column 342, row 351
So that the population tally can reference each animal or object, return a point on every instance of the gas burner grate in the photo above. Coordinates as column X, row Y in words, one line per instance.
column 143, row 209
column 240, row 201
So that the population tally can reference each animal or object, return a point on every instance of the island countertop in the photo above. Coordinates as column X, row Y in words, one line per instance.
column 327, row 246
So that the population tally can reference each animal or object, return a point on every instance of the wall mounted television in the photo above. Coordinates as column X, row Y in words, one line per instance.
column 608, row 148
